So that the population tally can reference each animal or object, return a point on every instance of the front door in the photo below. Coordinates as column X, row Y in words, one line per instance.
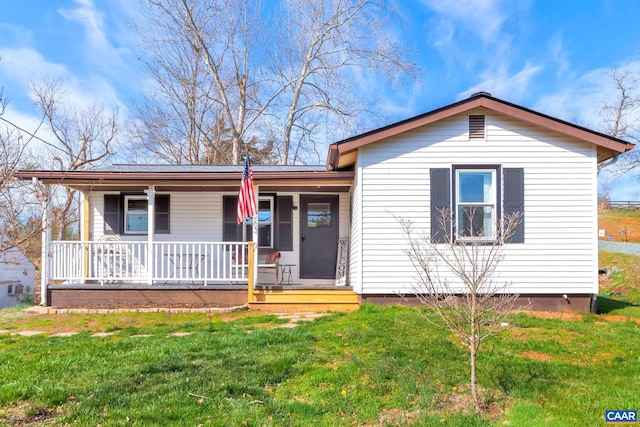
column 318, row 236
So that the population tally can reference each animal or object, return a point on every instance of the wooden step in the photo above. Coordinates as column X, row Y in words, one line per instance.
column 287, row 300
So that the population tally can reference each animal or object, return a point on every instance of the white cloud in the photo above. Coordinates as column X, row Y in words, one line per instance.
column 581, row 98
column 558, row 53
column 23, row 66
column 481, row 17
column 501, row 84
column 99, row 50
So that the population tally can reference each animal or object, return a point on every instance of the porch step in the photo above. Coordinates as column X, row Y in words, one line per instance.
column 279, row 300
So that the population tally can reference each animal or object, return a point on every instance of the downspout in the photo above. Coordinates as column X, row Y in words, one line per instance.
column 151, row 228
column 608, row 162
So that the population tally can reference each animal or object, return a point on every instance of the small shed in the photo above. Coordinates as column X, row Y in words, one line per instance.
column 17, row 273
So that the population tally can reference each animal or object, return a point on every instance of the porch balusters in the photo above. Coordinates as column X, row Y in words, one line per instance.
column 174, row 263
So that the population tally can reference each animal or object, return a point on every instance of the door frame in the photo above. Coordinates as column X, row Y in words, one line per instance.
column 334, row 199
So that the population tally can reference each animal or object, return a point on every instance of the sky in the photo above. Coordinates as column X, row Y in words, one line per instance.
column 552, row 56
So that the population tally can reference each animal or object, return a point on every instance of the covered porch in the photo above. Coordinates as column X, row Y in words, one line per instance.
column 116, row 274
column 198, row 255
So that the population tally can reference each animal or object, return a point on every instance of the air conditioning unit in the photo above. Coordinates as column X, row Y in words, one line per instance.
column 15, row 289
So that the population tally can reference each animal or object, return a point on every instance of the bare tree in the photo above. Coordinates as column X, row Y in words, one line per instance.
column 605, row 187
column 83, row 139
column 179, row 120
column 323, row 46
column 268, row 76
column 458, row 280
column 619, row 116
column 21, row 222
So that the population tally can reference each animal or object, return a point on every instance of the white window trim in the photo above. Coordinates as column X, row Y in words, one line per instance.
column 245, row 233
column 126, row 214
column 492, row 204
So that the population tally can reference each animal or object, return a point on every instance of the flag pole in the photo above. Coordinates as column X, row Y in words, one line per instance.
column 248, row 208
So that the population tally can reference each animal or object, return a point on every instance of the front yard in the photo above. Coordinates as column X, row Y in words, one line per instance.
column 376, row 366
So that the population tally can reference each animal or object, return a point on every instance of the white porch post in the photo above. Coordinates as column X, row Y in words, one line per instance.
column 151, row 226
column 46, row 238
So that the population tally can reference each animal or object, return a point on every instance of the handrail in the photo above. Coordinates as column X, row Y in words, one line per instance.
column 126, row 262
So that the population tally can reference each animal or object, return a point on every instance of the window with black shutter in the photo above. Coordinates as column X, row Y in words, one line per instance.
column 468, row 201
column 127, row 214
column 275, row 223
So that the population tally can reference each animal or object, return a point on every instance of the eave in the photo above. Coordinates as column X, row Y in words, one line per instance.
column 331, row 181
column 342, row 154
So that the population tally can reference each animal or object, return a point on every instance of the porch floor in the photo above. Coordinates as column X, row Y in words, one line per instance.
column 266, row 297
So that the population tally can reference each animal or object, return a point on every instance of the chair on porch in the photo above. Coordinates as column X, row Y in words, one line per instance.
column 271, row 262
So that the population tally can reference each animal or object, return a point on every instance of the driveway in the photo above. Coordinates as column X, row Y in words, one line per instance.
column 627, row 248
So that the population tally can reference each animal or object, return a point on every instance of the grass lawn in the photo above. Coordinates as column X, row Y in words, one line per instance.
column 620, row 292
column 378, row 366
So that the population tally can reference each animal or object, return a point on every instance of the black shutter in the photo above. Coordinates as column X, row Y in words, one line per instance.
column 231, row 230
column 112, row 214
column 162, row 214
column 514, row 200
column 284, row 223
column 440, row 203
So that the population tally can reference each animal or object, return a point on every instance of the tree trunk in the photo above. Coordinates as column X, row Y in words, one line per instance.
column 474, row 379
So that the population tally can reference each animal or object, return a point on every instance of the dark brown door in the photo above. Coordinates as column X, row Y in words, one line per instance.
column 318, row 236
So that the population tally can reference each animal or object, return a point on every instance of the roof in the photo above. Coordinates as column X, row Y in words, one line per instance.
column 194, row 177
column 342, row 153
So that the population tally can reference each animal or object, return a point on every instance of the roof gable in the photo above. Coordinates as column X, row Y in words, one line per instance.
column 342, row 154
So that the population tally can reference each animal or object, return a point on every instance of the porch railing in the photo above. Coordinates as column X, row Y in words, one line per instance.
column 128, row 262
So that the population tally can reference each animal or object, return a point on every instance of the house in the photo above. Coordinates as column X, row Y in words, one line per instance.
column 336, row 227
column 16, row 273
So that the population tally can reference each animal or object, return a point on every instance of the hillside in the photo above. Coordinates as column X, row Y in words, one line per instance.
column 621, row 225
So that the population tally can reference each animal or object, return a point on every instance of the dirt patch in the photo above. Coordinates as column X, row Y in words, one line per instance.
column 621, row 226
column 552, row 315
column 396, row 417
column 536, row 356
column 460, row 401
column 578, row 316
column 23, row 414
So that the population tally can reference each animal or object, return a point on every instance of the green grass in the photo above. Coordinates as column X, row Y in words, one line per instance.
column 620, row 295
column 376, row 366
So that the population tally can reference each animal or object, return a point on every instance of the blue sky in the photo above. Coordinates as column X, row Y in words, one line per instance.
column 549, row 55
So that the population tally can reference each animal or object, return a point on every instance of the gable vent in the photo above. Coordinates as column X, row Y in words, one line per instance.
column 476, row 127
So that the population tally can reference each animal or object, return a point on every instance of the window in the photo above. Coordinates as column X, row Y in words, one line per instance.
column 318, row 215
column 265, row 221
column 275, row 222
column 474, row 199
column 129, row 214
column 136, row 215
column 476, row 203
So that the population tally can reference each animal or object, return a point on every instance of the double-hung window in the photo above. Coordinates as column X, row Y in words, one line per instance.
column 476, row 203
column 129, row 214
column 468, row 202
column 265, row 223
column 275, row 222
column 136, row 215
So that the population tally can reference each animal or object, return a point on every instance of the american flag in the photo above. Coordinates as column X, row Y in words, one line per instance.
column 247, row 206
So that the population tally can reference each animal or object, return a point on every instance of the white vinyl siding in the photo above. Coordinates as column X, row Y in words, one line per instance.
column 355, row 249
column 559, row 253
column 197, row 216
column 193, row 216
